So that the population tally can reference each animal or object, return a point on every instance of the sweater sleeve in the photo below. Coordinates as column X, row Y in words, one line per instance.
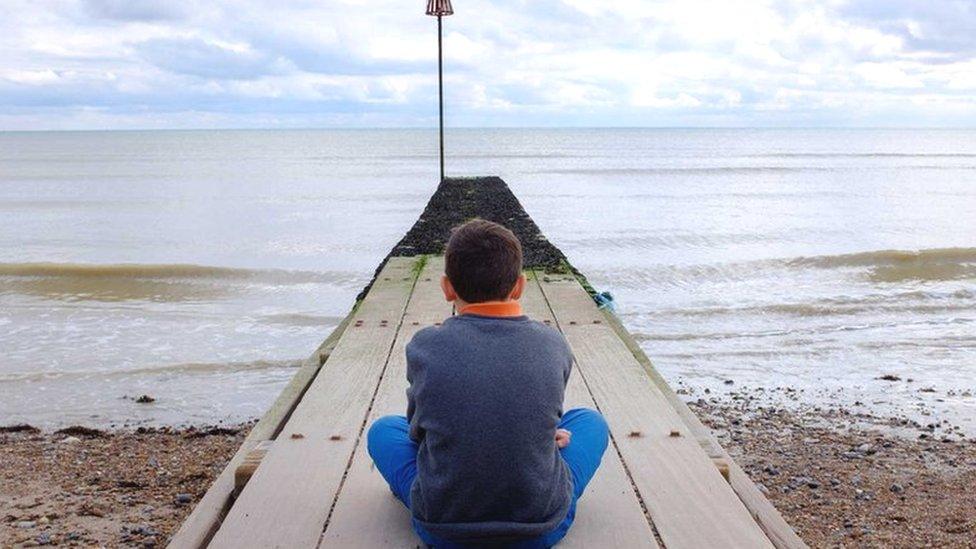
column 415, row 378
column 568, row 361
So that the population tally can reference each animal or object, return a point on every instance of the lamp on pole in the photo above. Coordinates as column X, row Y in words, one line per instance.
column 440, row 8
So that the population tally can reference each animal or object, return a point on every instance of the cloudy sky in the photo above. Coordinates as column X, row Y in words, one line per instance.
column 104, row 64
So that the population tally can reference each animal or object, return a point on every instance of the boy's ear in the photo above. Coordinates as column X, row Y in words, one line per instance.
column 519, row 287
column 448, row 289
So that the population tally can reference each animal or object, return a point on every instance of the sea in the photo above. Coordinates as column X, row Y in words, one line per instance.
column 201, row 267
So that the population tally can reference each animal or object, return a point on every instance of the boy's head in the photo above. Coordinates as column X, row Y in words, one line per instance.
column 483, row 263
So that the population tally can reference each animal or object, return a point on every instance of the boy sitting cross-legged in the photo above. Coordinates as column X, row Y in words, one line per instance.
column 485, row 455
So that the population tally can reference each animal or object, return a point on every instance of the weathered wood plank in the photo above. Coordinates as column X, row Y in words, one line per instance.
column 250, row 464
column 286, row 502
column 199, row 527
column 689, row 501
column 366, row 513
column 609, row 514
column 769, row 518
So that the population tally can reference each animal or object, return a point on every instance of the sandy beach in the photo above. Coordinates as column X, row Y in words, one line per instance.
column 841, row 479
column 853, row 480
column 110, row 489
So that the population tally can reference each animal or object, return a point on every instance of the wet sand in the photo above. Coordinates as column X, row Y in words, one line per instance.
column 841, row 479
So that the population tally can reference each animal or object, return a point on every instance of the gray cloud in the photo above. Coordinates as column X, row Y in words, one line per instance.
column 943, row 26
column 135, row 10
column 334, row 60
column 197, row 57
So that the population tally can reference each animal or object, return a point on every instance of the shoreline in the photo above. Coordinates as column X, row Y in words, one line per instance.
column 838, row 478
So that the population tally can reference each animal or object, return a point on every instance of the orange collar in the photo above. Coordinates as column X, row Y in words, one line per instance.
column 493, row 308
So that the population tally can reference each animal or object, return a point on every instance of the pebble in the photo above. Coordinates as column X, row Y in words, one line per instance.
column 183, row 499
column 770, row 470
column 43, row 539
column 26, row 524
column 866, row 448
column 897, row 488
column 145, row 531
column 70, row 440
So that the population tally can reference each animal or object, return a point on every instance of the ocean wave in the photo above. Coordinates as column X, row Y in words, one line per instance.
column 738, row 170
column 165, row 272
column 161, row 283
column 681, row 171
column 901, row 265
column 889, row 257
column 190, row 368
column 913, row 303
column 674, row 241
column 299, row 319
column 813, row 333
column 880, row 266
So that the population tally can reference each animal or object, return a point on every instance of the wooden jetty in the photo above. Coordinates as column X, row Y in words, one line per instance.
column 303, row 479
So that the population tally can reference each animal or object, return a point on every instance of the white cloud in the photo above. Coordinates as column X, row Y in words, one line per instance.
column 112, row 63
column 887, row 75
column 31, row 77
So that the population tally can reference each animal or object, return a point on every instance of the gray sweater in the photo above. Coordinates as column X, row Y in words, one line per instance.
column 485, row 398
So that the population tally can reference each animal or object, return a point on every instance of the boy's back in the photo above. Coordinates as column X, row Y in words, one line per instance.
column 485, row 398
column 485, row 455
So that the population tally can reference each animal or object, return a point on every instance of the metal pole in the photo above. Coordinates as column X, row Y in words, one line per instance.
column 440, row 84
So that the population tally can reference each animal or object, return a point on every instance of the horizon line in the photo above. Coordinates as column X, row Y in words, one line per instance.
column 466, row 128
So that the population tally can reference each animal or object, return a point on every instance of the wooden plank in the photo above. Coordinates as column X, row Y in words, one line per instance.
column 366, row 513
column 688, row 500
column 250, row 464
column 286, row 502
column 609, row 514
column 769, row 518
column 199, row 527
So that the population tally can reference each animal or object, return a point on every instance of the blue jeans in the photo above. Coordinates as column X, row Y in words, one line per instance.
column 395, row 456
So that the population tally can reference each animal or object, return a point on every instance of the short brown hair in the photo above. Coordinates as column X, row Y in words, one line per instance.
column 484, row 260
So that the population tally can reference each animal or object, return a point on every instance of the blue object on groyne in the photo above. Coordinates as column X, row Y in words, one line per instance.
column 604, row 300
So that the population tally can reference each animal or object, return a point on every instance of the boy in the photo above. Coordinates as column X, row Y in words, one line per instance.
column 485, row 456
